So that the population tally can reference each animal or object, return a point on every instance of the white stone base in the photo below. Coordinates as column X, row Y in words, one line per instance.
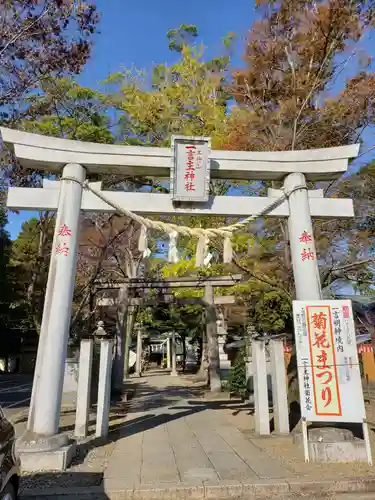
column 333, row 445
column 346, row 451
column 57, row 460
column 224, row 363
column 70, row 386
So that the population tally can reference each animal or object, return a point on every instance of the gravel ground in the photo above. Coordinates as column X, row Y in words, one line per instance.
column 291, row 456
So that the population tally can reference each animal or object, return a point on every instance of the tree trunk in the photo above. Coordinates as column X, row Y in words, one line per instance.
column 118, row 367
column 91, row 319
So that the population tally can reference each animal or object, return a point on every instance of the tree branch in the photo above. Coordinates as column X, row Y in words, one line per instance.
column 25, row 30
column 258, row 278
column 353, row 264
column 313, row 87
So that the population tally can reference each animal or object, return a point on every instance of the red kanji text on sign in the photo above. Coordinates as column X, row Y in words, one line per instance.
column 64, row 231
column 305, row 237
column 307, row 255
column 190, row 168
column 62, row 249
column 189, row 186
column 327, row 400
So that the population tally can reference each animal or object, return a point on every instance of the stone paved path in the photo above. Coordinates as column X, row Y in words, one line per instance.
column 170, row 436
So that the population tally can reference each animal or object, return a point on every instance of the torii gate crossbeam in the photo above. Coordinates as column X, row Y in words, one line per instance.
column 47, row 198
column 52, row 154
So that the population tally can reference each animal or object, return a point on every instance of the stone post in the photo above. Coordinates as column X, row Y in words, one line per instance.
column 104, row 388
column 262, row 420
column 223, row 357
column 301, row 238
column 173, row 354
column 84, row 388
column 138, row 367
column 279, row 386
column 169, row 364
column 222, row 335
column 128, row 338
column 213, row 346
column 49, row 374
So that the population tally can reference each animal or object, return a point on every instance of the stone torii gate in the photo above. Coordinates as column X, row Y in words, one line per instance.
column 77, row 160
column 125, row 299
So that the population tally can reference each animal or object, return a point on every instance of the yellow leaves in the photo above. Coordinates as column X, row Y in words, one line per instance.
column 183, row 99
column 241, row 242
column 181, row 268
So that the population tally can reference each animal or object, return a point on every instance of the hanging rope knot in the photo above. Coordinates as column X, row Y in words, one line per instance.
column 173, row 256
column 227, row 249
column 202, row 249
column 143, row 242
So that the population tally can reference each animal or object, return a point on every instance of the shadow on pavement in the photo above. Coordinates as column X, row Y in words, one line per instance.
column 162, row 405
column 152, row 420
column 50, row 484
column 127, row 429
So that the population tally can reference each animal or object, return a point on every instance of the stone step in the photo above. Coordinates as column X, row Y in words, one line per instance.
column 353, row 496
column 212, row 490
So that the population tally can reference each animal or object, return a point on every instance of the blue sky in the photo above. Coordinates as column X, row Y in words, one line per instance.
column 133, row 33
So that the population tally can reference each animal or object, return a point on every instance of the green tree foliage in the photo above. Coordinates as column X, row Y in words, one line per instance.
column 41, row 41
column 185, row 98
column 62, row 108
column 12, row 319
column 237, row 375
column 5, row 283
column 30, row 258
column 182, row 36
column 187, row 320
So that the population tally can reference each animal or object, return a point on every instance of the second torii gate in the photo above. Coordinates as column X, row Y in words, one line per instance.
column 77, row 160
column 125, row 299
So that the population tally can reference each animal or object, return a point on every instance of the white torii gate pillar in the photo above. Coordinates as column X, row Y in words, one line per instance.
column 301, row 237
column 45, row 405
column 302, row 246
column 169, row 350
column 173, row 354
column 138, row 363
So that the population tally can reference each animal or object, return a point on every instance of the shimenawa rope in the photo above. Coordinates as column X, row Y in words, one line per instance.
column 203, row 234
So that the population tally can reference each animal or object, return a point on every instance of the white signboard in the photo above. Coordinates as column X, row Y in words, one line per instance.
column 190, row 173
column 328, row 369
